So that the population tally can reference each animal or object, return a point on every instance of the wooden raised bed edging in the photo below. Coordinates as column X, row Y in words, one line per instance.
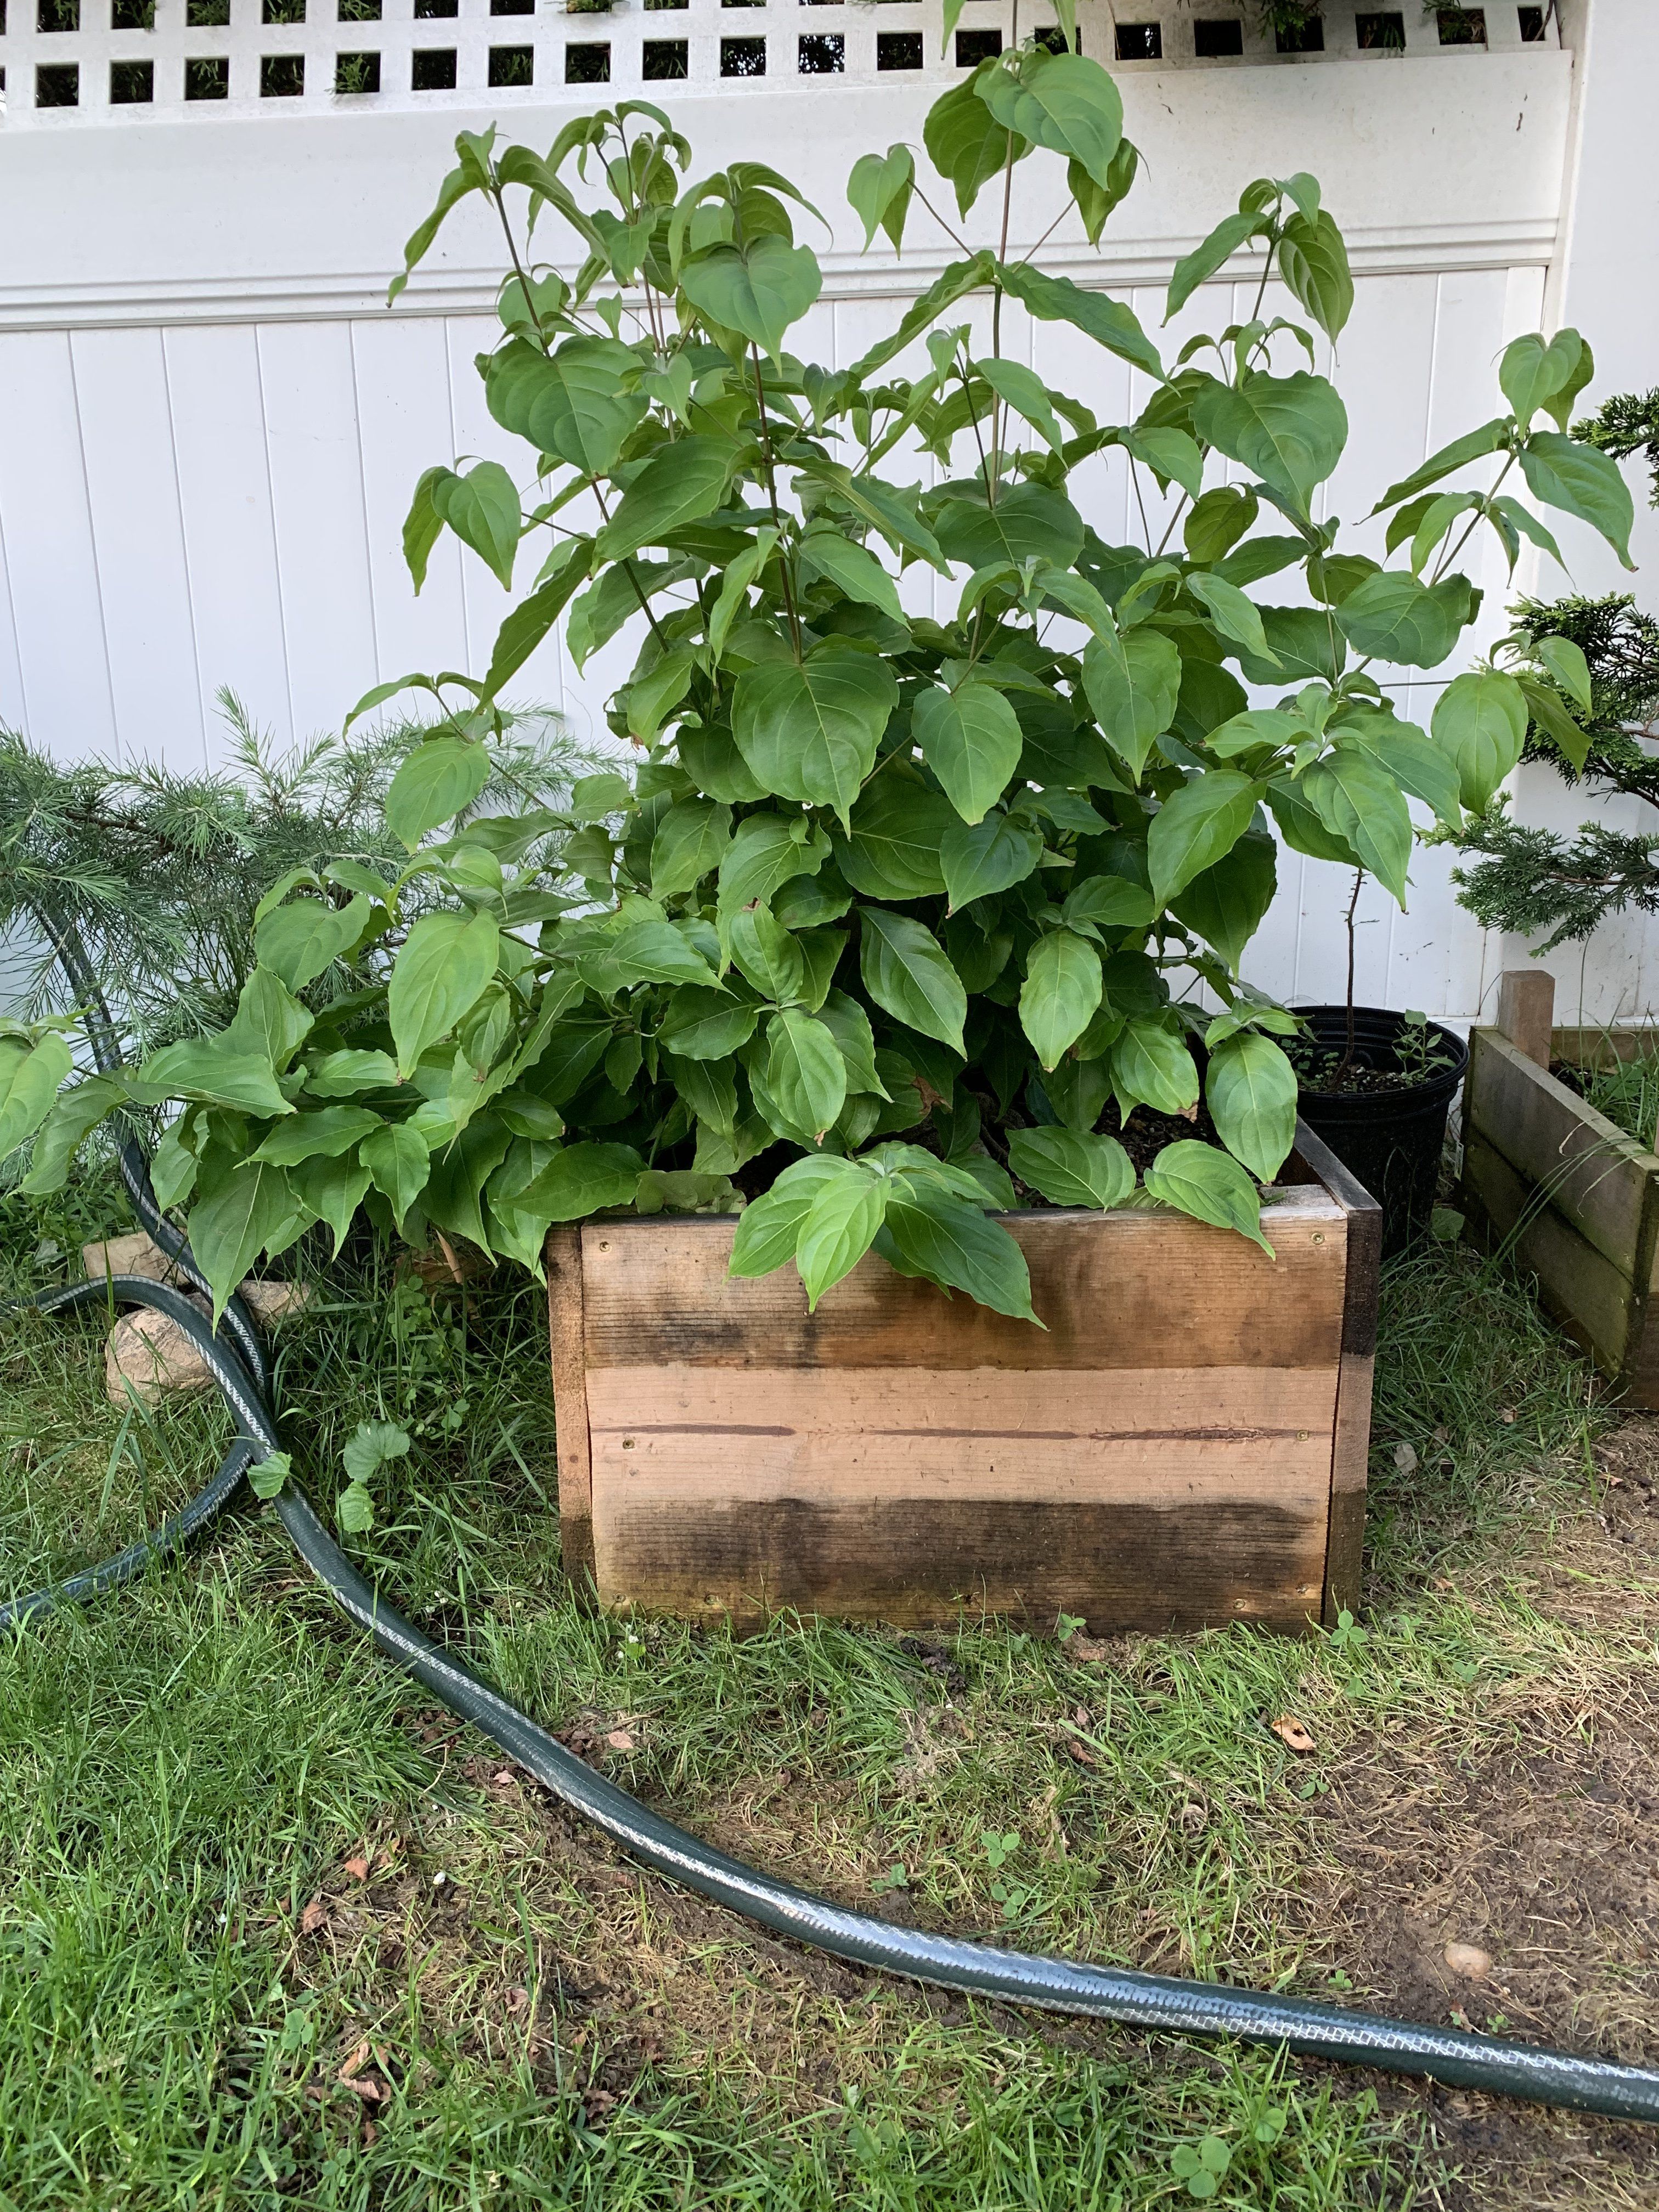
column 1184, row 1446
column 1575, row 1199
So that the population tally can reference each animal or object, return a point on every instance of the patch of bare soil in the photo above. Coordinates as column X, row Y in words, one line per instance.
column 1511, row 1883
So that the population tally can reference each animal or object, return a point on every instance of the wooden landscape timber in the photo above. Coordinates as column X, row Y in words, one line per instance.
column 1184, row 1444
column 1572, row 1196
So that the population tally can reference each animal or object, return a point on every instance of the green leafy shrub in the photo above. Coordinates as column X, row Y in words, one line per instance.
column 896, row 918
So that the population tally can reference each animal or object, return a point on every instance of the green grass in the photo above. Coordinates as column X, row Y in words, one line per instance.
column 1628, row 1094
column 184, row 1770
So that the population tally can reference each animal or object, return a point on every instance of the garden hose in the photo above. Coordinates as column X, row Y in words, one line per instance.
column 236, row 1360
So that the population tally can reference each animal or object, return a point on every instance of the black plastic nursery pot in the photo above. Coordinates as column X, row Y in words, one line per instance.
column 1390, row 1139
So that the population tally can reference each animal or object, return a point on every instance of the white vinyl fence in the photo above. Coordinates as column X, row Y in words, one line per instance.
column 210, row 425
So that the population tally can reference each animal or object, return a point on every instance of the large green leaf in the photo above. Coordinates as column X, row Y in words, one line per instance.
column 852, row 569
column 1473, row 446
column 1305, row 642
column 757, row 289
column 234, row 1221
column 1151, row 1065
column 766, row 851
column 878, row 191
column 1108, row 321
column 1023, row 390
column 1132, row 683
column 1251, row 1090
column 1480, row 720
column 1061, row 990
column 1580, row 480
column 1195, row 827
column 898, row 826
column 331, row 1186
column 768, row 1231
column 298, row 939
column 437, row 780
column 1393, row 617
column 965, row 143
column 805, row 1070
column 706, row 1024
column 326, row 1132
column 1029, row 522
column 1063, row 101
column 1417, row 763
column 1304, row 830
column 1227, row 904
column 454, row 1191
column 1209, row 1184
column 838, row 1229
column 1237, row 618
column 399, row 1160
column 581, row 1180
column 482, row 508
column 1069, row 1167
column 29, row 1083
column 1209, row 255
column 1314, row 262
column 770, row 957
column 1534, row 370
column 987, row 856
column 268, row 1021
column 808, row 731
column 210, row 1071
column 679, row 482
column 1288, row 430
column 949, row 1240
column 971, row 740
column 651, row 952
column 523, row 630
column 571, row 403
column 73, row 1117
column 690, row 844
column 907, row 973
column 1357, row 800
column 440, row 975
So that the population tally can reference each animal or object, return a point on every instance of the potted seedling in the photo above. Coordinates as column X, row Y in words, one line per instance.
column 915, row 1237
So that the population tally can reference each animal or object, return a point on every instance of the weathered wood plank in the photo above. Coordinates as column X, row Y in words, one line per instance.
column 1133, row 1290
column 1582, row 1047
column 1167, row 1435
column 918, row 1562
column 1596, row 1178
column 1526, row 1008
column 1594, row 1298
column 1351, row 1436
column 563, row 1262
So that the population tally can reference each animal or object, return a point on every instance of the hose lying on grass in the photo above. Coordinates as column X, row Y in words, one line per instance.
column 236, row 1358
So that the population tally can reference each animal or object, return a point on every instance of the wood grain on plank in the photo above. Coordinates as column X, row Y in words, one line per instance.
column 1581, row 1285
column 919, row 1562
column 1594, row 1175
column 563, row 1262
column 1526, row 1008
column 1165, row 1436
column 1133, row 1290
column 1583, row 1048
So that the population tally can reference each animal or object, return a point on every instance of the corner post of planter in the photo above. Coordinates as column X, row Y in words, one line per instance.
column 1526, row 1010
column 563, row 1260
column 1351, row 1436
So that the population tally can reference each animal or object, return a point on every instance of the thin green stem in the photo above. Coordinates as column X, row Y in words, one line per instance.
column 785, row 557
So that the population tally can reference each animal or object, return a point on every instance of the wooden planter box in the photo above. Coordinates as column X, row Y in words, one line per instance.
column 1184, row 1446
column 1576, row 1200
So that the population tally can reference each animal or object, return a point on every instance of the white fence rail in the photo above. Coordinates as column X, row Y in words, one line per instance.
column 210, row 428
